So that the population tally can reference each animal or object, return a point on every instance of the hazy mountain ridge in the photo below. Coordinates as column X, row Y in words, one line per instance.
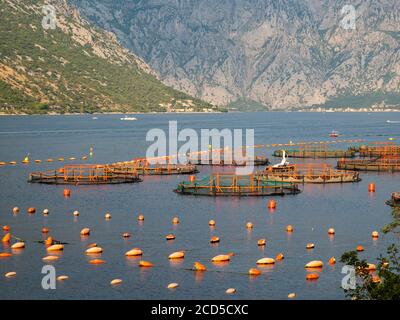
column 284, row 54
column 76, row 67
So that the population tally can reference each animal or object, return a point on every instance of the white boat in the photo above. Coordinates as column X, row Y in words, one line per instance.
column 126, row 118
column 392, row 121
column 94, row 118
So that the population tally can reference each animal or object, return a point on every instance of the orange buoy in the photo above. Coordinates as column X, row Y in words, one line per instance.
column 134, row 252
column 291, row 295
column 173, row 285
column 331, row 231
column 145, row 264
column 261, row 242
column 249, row 225
column 211, row 223
column 371, row 187
column 45, row 230
column 94, row 250
column 360, row 248
column 126, row 235
column 199, row 267
column 96, row 261
column 192, row 178
column 46, row 212
column 289, row 228
column 10, row 274
column 312, row 276
column 62, row 278
column 6, row 228
column 76, row 213
column 254, row 272
column 56, row 247
column 271, row 204
column 48, row 241
column 221, row 258
column 175, row 220
column 115, row 282
column 15, row 210
column 18, row 245
column 31, row 210
column 140, row 217
column 107, row 216
column 177, row 255
column 332, row 260
column 265, row 261
column 310, row 246
column 50, row 258
column 67, row 193
column 85, row 232
column 5, row 254
column 214, row 239
column 371, row 267
column 230, row 291
column 6, row 237
column 279, row 256
column 170, row 236
column 314, row 264
column 375, row 234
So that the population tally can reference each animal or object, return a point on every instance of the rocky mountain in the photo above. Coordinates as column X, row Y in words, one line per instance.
column 73, row 66
column 282, row 54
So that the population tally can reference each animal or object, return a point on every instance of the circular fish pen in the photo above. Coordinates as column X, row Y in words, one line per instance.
column 143, row 167
column 83, row 175
column 235, row 185
column 315, row 151
column 381, row 164
column 309, row 173
column 394, row 200
column 378, row 149
column 224, row 161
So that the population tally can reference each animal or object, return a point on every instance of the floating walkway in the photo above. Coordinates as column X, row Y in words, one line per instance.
column 309, row 173
column 378, row 149
column 83, row 175
column 235, row 185
column 315, row 151
column 142, row 167
column 395, row 200
column 380, row 164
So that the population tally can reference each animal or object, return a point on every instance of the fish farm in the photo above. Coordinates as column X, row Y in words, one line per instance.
column 309, row 173
column 376, row 149
column 83, row 175
column 142, row 167
column 235, row 185
column 315, row 152
column 380, row 164
column 221, row 161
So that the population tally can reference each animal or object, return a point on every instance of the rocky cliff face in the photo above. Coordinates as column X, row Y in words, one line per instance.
column 284, row 53
column 73, row 67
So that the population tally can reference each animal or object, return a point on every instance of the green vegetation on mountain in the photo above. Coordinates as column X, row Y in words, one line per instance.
column 74, row 68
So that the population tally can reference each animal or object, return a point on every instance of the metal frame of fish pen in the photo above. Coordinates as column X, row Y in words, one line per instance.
column 380, row 164
column 376, row 149
column 315, row 151
column 236, row 185
column 83, row 174
column 222, row 161
column 394, row 200
column 143, row 167
column 310, row 173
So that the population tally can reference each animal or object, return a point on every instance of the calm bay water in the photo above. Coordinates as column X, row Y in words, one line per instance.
column 349, row 208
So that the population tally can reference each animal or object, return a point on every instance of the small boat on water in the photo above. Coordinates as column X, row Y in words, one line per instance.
column 94, row 118
column 395, row 200
column 126, row 118
column 392, row 121
column 334, row 134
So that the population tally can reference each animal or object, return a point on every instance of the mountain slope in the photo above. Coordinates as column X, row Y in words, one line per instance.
column 283, row 53
column 73, row 68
